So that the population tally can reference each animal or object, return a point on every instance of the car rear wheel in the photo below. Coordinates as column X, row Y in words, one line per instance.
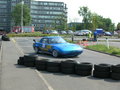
column 55, row 53
column 36, row 50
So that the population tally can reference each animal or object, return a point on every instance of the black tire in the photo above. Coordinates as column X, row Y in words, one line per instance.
column 84, row 66
column 41, row 67
column 21, row 58
column 29, row 64
column 115, row 68
column 53, row 69
column 55, row 53
column 102, row 67
column 68, row 63
column 115, row 76
column 53, row 63
column 83, row 73
column 5, row 38
column 29, row 58
column 20, row 62
column 99, row 74
column 39, row 62
column 53, row 66
column 67, row 70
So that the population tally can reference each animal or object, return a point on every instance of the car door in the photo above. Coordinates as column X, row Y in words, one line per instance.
column 45, row 44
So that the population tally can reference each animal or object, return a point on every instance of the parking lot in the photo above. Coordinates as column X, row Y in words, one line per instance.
column 15, row 77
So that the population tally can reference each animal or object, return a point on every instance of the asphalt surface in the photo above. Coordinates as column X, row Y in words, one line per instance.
column 15, row 77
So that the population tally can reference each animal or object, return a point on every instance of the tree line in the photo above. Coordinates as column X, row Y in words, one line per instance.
column 93, row 20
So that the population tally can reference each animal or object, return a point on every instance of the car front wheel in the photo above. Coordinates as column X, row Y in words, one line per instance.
column 55, row 53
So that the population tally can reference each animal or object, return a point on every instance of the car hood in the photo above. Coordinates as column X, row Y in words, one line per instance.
column 67, row 47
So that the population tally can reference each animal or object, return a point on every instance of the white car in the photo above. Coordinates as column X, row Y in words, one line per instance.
column 53, row 32
column 82, row 32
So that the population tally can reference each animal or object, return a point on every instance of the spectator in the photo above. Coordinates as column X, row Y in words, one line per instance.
column 89, row 36
column 95, row 36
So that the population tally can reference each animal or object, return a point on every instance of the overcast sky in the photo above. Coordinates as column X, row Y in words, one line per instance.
column 106, row 8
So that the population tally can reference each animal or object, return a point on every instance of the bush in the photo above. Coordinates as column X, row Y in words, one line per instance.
column 30, row 34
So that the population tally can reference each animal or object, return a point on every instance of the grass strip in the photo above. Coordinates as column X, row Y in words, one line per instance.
column 103, row 48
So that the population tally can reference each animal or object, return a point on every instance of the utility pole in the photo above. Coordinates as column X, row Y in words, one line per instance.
column 22, row 3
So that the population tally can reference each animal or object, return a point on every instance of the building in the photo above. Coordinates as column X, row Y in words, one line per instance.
column 4, row 15
column 45, row 14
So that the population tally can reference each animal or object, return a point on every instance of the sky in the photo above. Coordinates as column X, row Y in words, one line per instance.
column 106, row 8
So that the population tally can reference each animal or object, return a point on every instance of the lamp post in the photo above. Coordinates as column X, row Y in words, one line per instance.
column 22, row 2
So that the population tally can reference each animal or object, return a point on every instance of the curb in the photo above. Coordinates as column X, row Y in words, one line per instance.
column 0, row 50
column 102, row 52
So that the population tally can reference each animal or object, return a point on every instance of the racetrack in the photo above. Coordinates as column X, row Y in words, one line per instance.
column 25, row 44
column 73, row 82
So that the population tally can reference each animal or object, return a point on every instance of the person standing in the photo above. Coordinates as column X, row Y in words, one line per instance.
column 89, row 36
column 95, row 36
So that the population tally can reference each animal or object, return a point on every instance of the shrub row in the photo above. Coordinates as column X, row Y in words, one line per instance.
column 72, row 67
column 33, row 34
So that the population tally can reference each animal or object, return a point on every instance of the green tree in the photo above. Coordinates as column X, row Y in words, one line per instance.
column 16, row 15
column 118, row 26
column 94, row 20
column 100, row 22
column 60, row 23
column 86, row 14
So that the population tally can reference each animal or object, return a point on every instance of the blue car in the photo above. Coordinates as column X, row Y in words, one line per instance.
column 57, row 46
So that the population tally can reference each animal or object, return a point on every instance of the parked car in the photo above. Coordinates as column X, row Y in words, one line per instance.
column 82, row 32
column 78, row 33
column 57, row 46
column 62, row 32
column 70, row 32
column 53, row 32
column 108, row 34
column 45, row 31
column 86, row 31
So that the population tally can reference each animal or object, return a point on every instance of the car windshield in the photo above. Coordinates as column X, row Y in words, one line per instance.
column 57, row 40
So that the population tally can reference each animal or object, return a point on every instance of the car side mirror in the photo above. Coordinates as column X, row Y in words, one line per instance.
column 34, row 40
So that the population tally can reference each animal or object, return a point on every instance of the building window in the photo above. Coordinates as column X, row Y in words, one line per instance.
column 3, row 2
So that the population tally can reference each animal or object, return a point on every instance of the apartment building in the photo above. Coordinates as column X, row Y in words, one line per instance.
column 45, row 14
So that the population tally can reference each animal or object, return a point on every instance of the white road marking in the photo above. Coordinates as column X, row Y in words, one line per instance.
column 39, row 74
column 13, row 40
column 44, row 80
column 17, row 47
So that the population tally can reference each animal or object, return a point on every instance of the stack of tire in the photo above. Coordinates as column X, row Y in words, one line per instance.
column 20, row 61
column 29, row 60
column 68, row 66
column 115, row 72
column 102, row 70
column 5, row 38
column 41, row 64
column 53, row 66
column 83, row 69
